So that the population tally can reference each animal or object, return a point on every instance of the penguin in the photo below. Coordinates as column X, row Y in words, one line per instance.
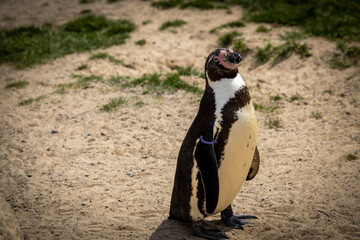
column 219, row 152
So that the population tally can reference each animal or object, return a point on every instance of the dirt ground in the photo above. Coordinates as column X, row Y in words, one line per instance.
column 110, row 175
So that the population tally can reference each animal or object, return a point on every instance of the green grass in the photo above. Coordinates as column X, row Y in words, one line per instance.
column 199, row 4
column 351, row 157
column 31, row 100
column 166, row 4
column 85, row 11
column 18, row 84
column 189, row 71
column 292, row 36
column 86, row 1
column 317, row 115
column 146, row 22
column 263, row 55
column 262, row 28
column 240, row 47
column 296, row 97
column 273, row 123
column 140, row 42
column 113, row 104
column 329, row 18
column 276, row 98
column 159, row 84
column 329, row 91
column 140, row 103
column 280, row 52
column 233, row 24
column 346, row 56
column 29, row 45
column 82, row 67
column 172, row 24
column 82, row 82
column 117, row 80
column 262, row 108
column 226, row 39
column 103, row 55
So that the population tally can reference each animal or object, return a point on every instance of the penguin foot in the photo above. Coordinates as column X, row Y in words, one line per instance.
column 212, row 234
column 235, row 221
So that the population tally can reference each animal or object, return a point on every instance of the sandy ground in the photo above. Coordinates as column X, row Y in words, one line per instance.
column 110, row 175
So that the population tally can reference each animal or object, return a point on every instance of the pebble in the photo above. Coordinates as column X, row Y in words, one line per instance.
column 130, row 174
column 53, row 131
column 29, row 175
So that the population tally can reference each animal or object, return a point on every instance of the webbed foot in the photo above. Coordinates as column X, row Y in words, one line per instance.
column 235, row 221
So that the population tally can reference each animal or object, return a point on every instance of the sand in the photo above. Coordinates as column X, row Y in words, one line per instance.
column 109, row 175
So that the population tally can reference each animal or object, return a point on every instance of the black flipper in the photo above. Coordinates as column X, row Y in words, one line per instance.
column 255, row 165
column 206, row 160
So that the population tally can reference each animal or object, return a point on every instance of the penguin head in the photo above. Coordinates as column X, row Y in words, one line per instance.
column 222, row 63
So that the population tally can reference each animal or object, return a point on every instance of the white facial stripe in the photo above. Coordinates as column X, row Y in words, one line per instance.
column 224, row 90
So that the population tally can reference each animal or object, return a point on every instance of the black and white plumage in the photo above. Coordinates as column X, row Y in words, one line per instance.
column 219, row 150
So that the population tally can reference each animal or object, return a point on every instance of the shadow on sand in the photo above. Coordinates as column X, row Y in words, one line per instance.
column 174, row 229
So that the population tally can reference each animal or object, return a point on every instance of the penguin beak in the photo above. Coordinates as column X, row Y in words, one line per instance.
column 233, row 58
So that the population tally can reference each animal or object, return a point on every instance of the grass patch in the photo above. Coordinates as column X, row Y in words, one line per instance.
column 158, row 84
column 113, row 104
column 18, row 84
column 189, row 71
column 169, row 24
column 26, row 46
column 280, row 52
column 117, row 80
column 262, row 28
column 263, row 55
column 82, row 67
column 85, row 11
column 317, row 115
column 103, row 55
column 292, row 36
column 329, row 91
column 232, row 24
column 146, row 22
column 351, row 157
column 296, row 97
column 86, row 1
column 140, row 42
column 166, row 4
column 31, row 100
column 240, row 47
column 273, row 123
column 82, row 82
column 346, row 57
column 199, row 4
column 276, row 98
column 226, row 39
column 140, row 103
column 261, row 108
column 331, row 18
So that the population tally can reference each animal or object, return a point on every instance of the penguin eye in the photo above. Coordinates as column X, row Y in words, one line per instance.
column 216, row 59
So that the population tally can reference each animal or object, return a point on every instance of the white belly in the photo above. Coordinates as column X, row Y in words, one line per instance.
column 238, row 155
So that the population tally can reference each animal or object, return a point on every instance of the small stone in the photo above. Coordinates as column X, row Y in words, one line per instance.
column 342, row 94
column 89, row 134
column 130, row 174
column 53, row 131
column 29, row 175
